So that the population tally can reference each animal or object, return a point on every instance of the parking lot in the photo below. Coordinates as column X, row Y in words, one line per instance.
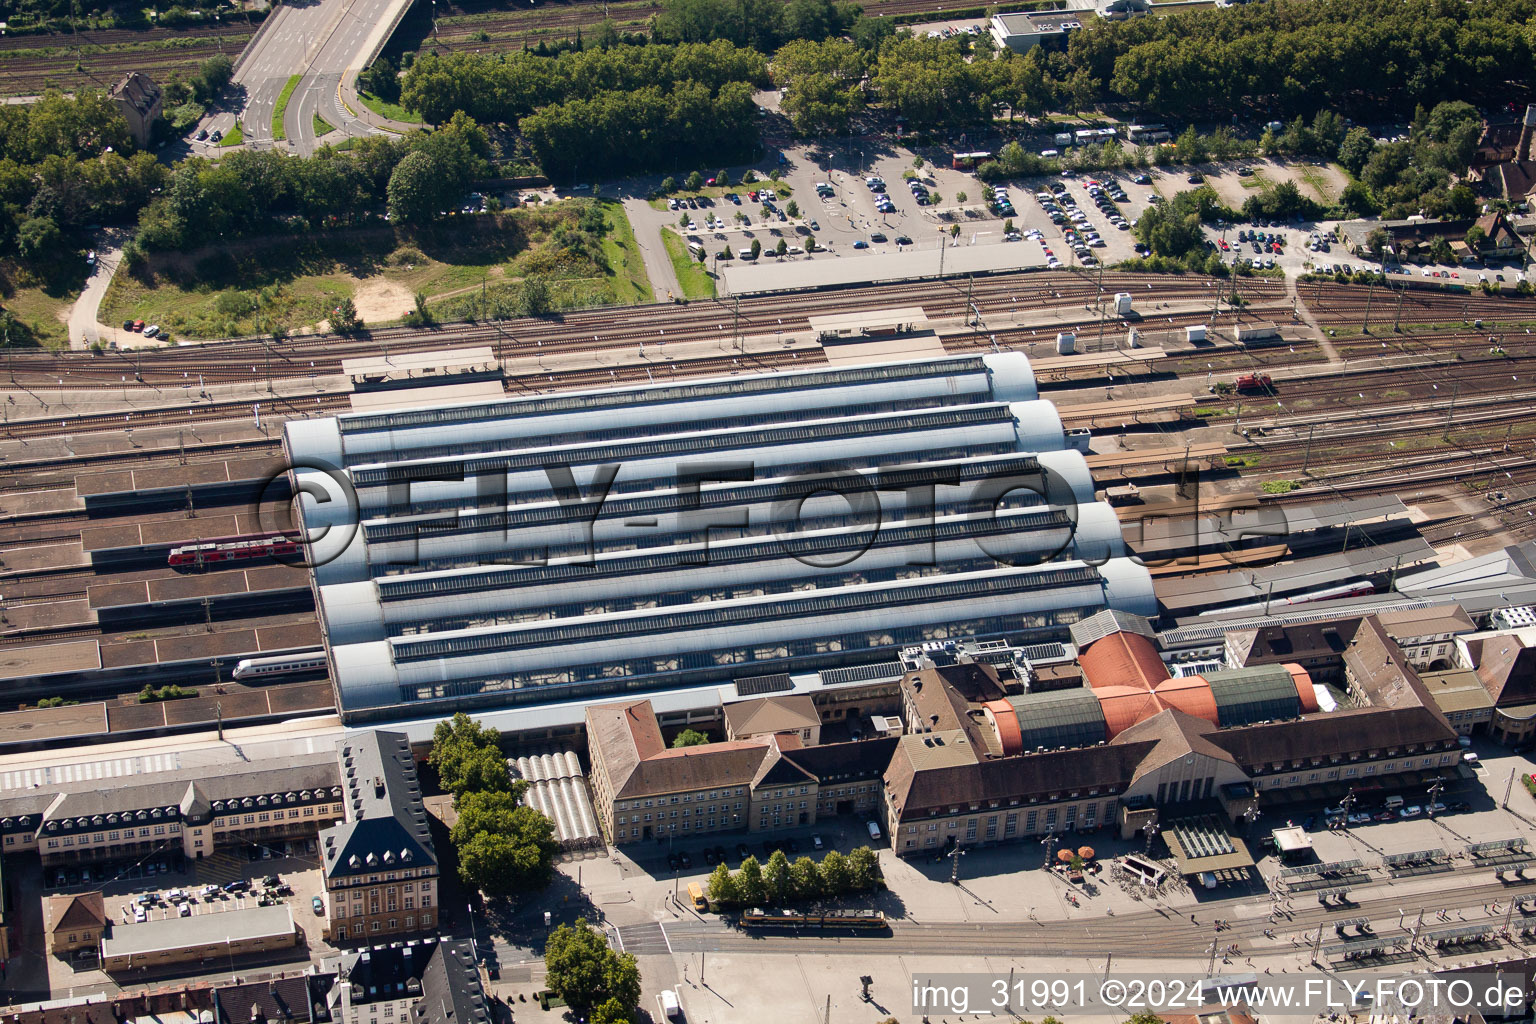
column 158, row 886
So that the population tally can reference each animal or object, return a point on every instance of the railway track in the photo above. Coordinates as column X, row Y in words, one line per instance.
column 245, row 361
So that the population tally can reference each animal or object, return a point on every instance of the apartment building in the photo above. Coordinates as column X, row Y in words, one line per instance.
column 427, row 981
column 379, row 864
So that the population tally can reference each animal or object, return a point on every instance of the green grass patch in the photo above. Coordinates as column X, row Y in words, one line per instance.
column 1207, row 411
column 321, row 126
column 1244, row 461
column 468, row 266
column 1312, row 175
column 781, row 188
column 1278, row 486
column 281, row 109
column 393, row 111
column 234, row 137
column 631, row 283
column 691, row 274
column 38, row 314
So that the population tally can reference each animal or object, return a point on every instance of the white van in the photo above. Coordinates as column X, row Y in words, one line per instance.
column 1394, row 803
column 874, row 831
column 747, row 254
column 670, row 1007
column 1050, row 154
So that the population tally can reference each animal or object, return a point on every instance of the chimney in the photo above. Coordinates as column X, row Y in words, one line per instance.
column 1527, row 126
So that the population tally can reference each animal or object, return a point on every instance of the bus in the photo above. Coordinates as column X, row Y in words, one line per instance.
column 966, row 161
column 696, row 894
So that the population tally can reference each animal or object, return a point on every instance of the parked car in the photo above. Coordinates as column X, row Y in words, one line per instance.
column 1412, row 811
column 816, row 842
column 238, row 885
column 318, row 905
column 743, row 851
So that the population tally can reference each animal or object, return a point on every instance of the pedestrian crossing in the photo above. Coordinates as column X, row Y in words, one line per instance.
column 644, row 939
column 88, row 771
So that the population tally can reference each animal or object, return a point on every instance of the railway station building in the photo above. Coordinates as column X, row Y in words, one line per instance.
column 559, row 550
column 988, row 760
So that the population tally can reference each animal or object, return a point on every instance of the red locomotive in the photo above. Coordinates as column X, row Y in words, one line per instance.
column 234, row 549
column 1255, row 382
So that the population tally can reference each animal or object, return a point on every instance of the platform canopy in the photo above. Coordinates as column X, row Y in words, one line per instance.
column 868, row 322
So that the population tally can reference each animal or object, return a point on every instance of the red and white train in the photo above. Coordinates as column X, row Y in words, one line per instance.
column 234, row 549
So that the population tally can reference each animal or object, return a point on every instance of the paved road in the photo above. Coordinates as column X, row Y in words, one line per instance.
column 320, row 41
column 84, row 327
column 1153, row 933
column 647, row 223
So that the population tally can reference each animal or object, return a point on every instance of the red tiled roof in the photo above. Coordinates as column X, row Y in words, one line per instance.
column 1122, row 658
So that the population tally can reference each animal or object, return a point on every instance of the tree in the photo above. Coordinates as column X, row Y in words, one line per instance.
column 1377, row 241
column 722, row 886
column 776, row 878
column 792, row 208
column 863, row 868
column 534, row 297
column 415, row 189
column 1476, row 238
column 781, row 248
column 961, row 197
column 468, row 758
column 213, row 75
column 805, row 879
column 722, row 177
column 503, row 847
column 613, row 1011
column 39, row 240
column 344, row 318
column 585, row 972
column 421, row 313
column 835, row 877
column 750, row 884
column 669, row 184
column 757, row 248
column 694, row 181
column 690, row 738
column 1356, row 149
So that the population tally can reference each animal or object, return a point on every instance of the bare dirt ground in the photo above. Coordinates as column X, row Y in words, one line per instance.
column 378, row 298
column 1320, row 182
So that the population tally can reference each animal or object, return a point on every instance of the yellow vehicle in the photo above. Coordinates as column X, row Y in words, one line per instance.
column 696, row 894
